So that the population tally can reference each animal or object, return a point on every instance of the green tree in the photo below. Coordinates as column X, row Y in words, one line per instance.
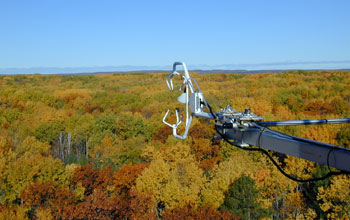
column 242, row 199
column 129, row 126
column 104, row 124
column 49, row 131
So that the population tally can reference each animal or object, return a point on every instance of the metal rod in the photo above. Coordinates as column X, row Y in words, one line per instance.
column 304, row 122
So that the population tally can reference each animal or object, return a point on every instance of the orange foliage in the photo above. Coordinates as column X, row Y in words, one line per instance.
column 162, row 134
column 91, row 109
column 319, row 108
column 98, row 206
column 199, row 131
column 209, row 163
column 126, row 177
column 50, row 195
column 204, row 147
column 92, row 178
column 141, row 206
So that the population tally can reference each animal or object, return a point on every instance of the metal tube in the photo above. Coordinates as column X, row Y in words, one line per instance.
column 304, row 122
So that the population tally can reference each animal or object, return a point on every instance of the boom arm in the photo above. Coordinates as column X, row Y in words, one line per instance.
column 246, row 129
column 315, row 151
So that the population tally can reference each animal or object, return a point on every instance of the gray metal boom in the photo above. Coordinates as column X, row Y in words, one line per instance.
column 315, row 151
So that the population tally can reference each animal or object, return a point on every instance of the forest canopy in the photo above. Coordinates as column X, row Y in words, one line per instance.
column 95, row 147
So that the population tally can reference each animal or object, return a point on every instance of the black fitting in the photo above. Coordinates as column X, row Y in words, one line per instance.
column 227, row 125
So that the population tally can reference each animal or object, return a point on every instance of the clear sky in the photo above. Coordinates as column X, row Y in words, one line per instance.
column 260, row 34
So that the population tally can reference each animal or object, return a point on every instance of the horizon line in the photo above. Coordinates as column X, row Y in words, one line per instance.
column 298, row 65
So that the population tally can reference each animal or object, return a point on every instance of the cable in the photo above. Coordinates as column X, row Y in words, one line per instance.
column 329, row 153
column 223, row 136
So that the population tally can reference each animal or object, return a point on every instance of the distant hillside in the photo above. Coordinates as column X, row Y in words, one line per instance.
column 211, row 71
column 229, row 68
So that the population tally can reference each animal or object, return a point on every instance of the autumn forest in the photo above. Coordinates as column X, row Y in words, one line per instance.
column 94, row 147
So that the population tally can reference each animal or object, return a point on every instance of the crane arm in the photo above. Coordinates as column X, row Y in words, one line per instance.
column 322, row 153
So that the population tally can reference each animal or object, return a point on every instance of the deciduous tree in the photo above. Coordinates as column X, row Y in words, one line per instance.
column 173, row 177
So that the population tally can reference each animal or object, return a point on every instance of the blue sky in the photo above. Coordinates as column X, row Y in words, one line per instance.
column 251, row 34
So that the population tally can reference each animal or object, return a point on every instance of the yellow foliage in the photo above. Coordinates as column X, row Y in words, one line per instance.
column 309, row 214
column 275, row 186
column 321, row 133
column 79, row 191
column 222, row 176
column 262, row 108
column 44, row 214
column 154, row 178
column 282, row 113
column 31, row 145
column 173, row 177
column 69, row 169
column 71, row 94
column 108, row 149
column 299, row 167
column 295, row 205
column 27, row 169
column 13, row 213
column 336, row 198
column 75, row 98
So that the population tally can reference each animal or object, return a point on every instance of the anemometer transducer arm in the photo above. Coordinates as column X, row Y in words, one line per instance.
column 245, row 129
column 192, row 97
